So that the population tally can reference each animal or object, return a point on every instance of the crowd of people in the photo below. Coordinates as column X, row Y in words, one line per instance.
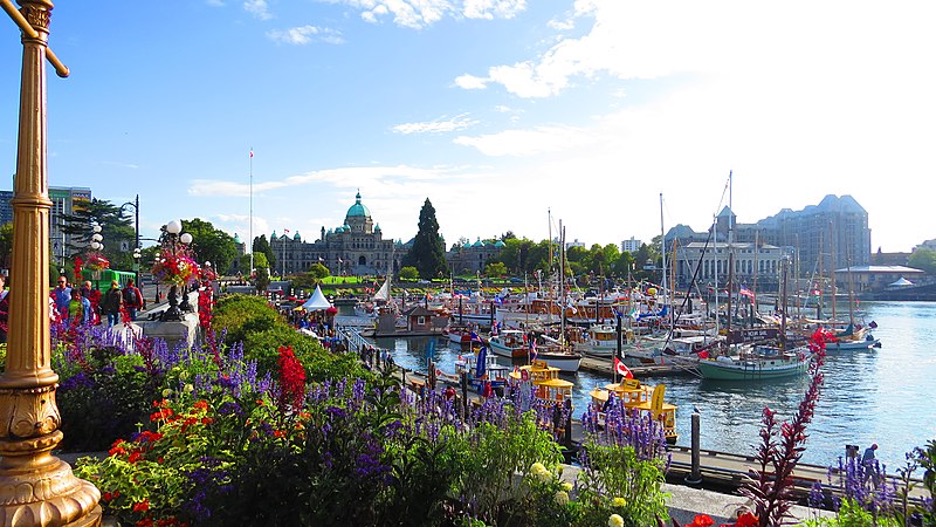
column 88, row 305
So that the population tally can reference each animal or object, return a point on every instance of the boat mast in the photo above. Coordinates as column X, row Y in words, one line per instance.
column 730, row 253
column 663, row 248
column 562, row 313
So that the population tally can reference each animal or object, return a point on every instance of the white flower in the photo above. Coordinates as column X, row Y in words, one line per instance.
column 615, row 520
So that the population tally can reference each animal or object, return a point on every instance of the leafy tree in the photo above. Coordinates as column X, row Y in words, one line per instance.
column 495, row 269
column 409, row 273
column 262, row 245
column 319, row 271
column 428, row 252
column 211, row 244
column 116, row 227
column 924, row 259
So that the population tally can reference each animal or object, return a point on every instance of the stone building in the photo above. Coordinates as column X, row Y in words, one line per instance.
column 356, row 247
column 817, row 239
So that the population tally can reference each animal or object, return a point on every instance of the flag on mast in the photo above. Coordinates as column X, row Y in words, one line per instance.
column 251, row 153
column 621, row 368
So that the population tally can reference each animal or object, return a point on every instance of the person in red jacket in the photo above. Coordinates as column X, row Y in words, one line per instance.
column 132, row 299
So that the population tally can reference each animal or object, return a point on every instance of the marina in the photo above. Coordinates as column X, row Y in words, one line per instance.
column 870, row 395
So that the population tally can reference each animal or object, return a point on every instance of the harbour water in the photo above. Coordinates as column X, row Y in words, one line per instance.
column 882, row 396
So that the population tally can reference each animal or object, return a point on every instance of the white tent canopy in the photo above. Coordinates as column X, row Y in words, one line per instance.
column 317, row 301
column 900, row 282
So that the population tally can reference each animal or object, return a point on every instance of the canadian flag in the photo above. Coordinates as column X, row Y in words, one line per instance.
column 621, row 368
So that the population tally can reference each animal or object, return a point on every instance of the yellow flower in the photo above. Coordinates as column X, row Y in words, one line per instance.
column 188, row 388
column 619, row 502
column 539, row 471
column 562, row 498
column 166, row 393
column 567, row 486
column 615, row 520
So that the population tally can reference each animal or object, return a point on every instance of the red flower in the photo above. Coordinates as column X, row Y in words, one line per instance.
column 701, row 519
column 141, row 506
column 292, row 379
column 747, row 519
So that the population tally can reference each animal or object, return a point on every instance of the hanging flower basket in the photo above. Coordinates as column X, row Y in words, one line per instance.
column 175, row 267
column 97, row 262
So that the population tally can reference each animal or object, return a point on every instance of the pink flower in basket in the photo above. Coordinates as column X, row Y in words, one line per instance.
column 176, row 268
column 97, row 262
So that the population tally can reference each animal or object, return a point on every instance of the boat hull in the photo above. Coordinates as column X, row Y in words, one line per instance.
column 751, row 370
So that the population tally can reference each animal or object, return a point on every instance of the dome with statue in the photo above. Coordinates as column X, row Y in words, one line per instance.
column 358, row 209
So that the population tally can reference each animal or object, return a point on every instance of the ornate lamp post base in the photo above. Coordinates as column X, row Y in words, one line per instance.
column 36, row 488
column 173, row 313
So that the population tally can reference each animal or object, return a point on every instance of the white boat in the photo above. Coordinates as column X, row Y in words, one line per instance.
column 601, row 340
column 515, row 344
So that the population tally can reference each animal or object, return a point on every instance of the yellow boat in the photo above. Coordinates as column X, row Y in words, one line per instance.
column 547, row 384
column 635, row 395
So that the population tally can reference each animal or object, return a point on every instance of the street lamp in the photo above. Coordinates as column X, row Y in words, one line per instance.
column 136, row 239
column 177, row 246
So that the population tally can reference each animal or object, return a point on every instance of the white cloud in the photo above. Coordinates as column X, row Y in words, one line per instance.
column 443, row 124
column 491, row 9
column 258, row 8
column 539, row 140
column 306, row 34
column 339, row 176
column 418, row 14
column 470, row 82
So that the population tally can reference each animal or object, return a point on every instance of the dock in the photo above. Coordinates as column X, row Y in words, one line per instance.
column 603, row 366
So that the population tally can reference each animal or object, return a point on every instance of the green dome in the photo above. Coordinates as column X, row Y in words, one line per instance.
column 358, row 209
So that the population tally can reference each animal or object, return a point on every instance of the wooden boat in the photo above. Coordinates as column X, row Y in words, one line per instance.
column 640, row 397
column 515, row 344
column 601, row 340
column 490, row 371
column 548, row 386
column 755, row 362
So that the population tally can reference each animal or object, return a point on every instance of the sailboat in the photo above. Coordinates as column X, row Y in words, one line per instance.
column 758, row 361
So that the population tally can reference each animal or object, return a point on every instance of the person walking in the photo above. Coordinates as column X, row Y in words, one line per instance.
column 869, row 465
column 62, row 295
column 79, row 309
column 111, row 303
column 132, row 299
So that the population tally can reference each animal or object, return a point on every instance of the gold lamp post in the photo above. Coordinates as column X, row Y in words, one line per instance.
column 36, row 488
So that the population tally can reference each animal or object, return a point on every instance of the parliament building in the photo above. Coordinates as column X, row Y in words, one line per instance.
column 355, row 248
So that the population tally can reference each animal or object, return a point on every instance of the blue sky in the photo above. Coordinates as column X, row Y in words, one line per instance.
column 503, row 113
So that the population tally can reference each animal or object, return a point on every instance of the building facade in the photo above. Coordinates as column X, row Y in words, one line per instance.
column 357, row 247
column 630, row 246
column 471, row 258
column 817, row 239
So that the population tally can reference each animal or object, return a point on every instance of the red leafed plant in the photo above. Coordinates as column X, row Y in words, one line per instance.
column 770, row 486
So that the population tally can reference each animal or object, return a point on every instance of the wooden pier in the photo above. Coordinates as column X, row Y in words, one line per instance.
column 603, row 366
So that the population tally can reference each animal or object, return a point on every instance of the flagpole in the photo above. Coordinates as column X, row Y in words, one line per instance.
column 250, row 220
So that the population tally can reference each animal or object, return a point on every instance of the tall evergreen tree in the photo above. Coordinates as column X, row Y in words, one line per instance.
column 428, row 252
column 262, row 245
column 116, row 227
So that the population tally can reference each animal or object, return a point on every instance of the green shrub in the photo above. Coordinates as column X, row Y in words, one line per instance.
column 242, row 315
